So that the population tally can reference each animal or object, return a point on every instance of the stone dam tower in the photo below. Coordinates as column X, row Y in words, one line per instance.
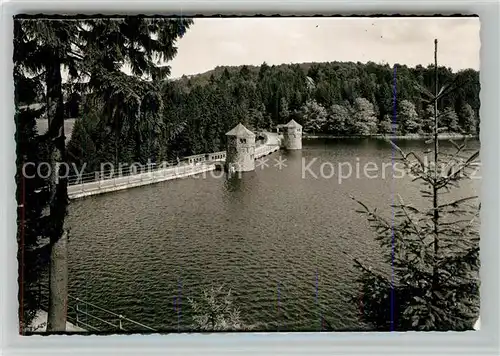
column 292, row 136
column 240, row 154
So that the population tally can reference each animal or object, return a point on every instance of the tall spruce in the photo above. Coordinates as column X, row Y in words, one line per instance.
column 434, row 252
column 95, row 49
column 31, row 199
column 41, row 48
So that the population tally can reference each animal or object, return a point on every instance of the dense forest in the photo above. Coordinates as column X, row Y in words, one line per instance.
column 326, row 98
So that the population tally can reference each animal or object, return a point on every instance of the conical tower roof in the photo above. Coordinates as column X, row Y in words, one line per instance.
column 293, row 123
column 240, row 131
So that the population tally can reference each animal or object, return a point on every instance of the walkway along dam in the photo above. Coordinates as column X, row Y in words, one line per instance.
column 242, row 150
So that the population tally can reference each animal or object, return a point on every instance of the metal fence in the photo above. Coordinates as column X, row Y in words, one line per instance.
column 152, row 168
column 122, row 182
column 92, row 317
column 136, row 175
column 265, row 150
column 120, row 172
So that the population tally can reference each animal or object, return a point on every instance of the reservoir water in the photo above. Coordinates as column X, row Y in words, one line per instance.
column 282, row 240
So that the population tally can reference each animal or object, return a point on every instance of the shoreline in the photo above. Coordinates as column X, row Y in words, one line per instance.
column 392, row 137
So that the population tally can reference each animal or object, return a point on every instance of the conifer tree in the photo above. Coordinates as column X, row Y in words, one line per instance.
column 98, row 49
column 284, row 112
column 434, row 252
column 31, row 198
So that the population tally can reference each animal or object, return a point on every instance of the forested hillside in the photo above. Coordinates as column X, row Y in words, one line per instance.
column 329, row 98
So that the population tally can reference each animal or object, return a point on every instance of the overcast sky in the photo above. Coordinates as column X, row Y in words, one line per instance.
column 214, row 42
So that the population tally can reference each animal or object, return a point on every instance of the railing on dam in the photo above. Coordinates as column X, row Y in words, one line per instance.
column 113, row 181
column 105, row 174
column 127, row 171
column 264, row 150
column 136, row 175
column 206, row 157
column 272, row 143
column 91, row 317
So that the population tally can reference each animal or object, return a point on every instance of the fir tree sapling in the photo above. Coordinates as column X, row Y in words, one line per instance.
column 434, row 252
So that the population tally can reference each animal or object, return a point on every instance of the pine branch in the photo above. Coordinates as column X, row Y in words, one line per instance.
column 414, row 226
column 370, row 271
column 454, row 175
column 456, row 203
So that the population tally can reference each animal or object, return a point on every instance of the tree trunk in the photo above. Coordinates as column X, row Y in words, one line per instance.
column 58, row 285
column 58, row 267
column 435, row 205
